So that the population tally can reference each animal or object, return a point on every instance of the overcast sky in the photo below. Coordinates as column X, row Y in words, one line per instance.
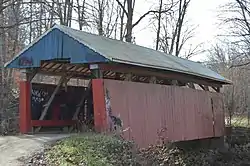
column 202, row 13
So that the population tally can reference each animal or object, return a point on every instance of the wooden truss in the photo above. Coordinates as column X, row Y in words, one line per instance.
column 82, row 101
column 128, row 73
column 62, row 80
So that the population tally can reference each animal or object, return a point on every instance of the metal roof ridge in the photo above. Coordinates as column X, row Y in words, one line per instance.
column 130, row 44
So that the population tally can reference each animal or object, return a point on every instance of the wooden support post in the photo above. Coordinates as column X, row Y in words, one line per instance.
column 174, row 82
column 152, row 80
column 25, row 99
column 117, row 76
column 45, row 110
column 213, row 116
column 204, row 87
column 96, row 71
column 128, row 77
column 100, row 114
column 82, row 101
column 25, row 107
column 66, row 84
column 31, row 74
column 217, row 89
column 28, row 75
column 191, row 85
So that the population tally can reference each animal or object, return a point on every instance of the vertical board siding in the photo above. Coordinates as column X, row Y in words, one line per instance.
column 25, row 107
column 219, row 116
column 99, row 105
column 152, row 111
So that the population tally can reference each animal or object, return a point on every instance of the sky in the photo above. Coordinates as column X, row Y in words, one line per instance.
column 201, row 13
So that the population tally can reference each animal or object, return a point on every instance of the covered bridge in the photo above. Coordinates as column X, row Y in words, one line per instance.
column 145, row 93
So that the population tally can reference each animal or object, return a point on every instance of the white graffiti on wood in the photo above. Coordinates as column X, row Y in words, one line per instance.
column 114, row 122
column 38, row 95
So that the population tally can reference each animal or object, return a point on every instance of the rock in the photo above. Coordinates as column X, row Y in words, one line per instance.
column 31, row 160
column 247, row 145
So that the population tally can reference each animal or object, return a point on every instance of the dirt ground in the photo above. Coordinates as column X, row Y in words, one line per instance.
column 12, row 148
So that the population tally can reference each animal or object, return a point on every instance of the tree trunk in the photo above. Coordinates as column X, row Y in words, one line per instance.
column 100, row 17
column 129, row 26
column 122, row 21
column 159, row 27
column 182, row 13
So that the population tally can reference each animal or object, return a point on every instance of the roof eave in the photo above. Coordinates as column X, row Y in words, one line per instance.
column 226, row 81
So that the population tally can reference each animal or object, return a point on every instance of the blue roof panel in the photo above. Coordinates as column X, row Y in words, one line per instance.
column 55, row 45
column 81, row 47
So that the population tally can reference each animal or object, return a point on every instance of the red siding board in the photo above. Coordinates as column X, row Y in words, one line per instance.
column 169, row 112
column 218, row 115
column 147, row 109
column 37, row 123
column 99, row 105
column 25, row 106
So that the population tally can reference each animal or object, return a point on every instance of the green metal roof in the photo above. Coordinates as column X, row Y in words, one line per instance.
column 128, row 53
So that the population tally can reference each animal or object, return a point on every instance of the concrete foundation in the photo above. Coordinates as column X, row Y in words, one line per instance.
column 209, row 143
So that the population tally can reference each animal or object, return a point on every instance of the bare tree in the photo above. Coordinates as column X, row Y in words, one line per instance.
column 122, row 14
column 236, row 15
column 158, row 25
column 173, row 31
column 129, row 12
column 105, row 17
column 236, row 97
column 80, row 10
column 9, row 45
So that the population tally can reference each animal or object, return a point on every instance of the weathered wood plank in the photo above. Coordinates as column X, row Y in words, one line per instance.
column 165, row 75
column 128, row 77
column 191, row 85
column 152, row 80
column 45, row 110
column 80, row 104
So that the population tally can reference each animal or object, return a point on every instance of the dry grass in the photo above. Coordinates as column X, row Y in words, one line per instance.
column 92, row 150
column 240, row 121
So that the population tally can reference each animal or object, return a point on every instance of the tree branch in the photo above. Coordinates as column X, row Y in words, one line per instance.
column 239, row 65
column 123, row 7
column 149, row 12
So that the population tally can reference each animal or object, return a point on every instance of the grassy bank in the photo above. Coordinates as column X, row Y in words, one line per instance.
column 92, row 150
column 102, row 150
column 240, row 121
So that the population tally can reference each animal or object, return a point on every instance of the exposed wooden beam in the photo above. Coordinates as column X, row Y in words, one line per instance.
column 72, row 74
column 191, row 85
column 174, row 82
column 66, row 83
column 97, row 73
column 117, row 76
column 79, row 106
column 44, row 64
column 202, row 87
column 164, row 74
column 38, row 123
column 56, row 67
column 28, row 74
column 46, row 108
column 32, row 74
column 217, row 89
column 152, row 80
column 206, row 88
column 128, row 77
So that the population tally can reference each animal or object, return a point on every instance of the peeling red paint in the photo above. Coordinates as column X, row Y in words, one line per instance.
column 152, row 111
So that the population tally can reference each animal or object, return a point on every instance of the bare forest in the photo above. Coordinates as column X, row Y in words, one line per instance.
column 21, row 21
